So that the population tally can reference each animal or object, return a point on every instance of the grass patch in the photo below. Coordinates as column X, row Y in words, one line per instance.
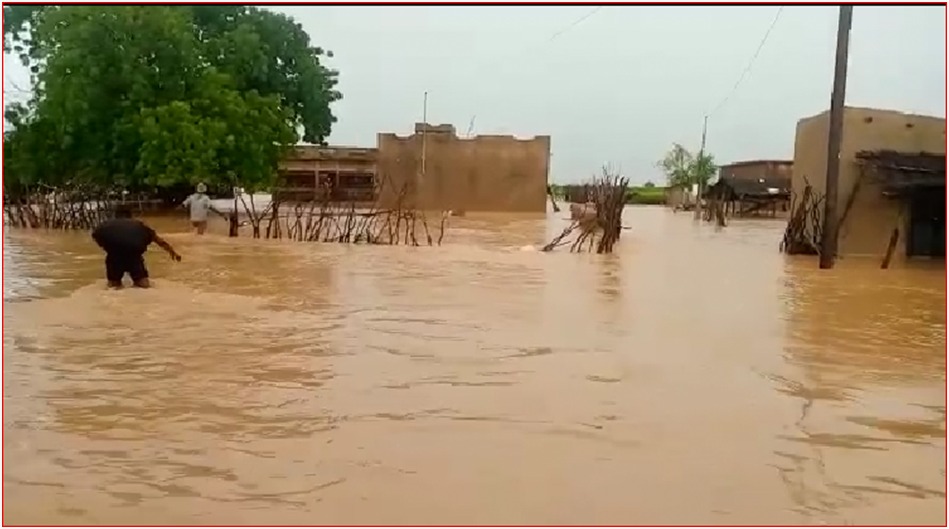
column 642, row 195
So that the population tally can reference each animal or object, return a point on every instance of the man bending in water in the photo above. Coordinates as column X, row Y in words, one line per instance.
column 125, row 240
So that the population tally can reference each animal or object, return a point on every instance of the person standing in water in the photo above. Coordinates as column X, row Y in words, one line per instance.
column 125, row 240
column 199, row 204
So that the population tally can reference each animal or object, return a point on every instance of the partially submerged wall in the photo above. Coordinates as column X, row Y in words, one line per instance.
column 777, row 170
column 872, row 217
column 350, row 172
column 485, row 173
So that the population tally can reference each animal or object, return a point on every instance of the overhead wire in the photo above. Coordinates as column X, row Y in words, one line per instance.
column 13, row 84
column 555, row 35
column 751, row 63
column 494, row 61
column 575, row 23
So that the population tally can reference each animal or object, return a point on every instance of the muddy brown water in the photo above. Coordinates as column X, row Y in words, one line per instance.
column 696, row 376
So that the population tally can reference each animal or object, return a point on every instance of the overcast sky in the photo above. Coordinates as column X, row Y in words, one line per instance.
column 621, row 85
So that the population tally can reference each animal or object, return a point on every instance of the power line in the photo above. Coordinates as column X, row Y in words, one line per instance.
column 529, row 48
column 539, row 44
column 14, row 85
column 747, row 69
column 575, row 23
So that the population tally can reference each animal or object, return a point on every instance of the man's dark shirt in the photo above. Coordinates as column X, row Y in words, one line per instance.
column 127, row 236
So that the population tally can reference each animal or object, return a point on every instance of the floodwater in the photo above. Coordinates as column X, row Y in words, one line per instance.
column 696, row 376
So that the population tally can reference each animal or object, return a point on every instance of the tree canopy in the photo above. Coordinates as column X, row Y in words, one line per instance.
column 684, row 169
column 155, row 96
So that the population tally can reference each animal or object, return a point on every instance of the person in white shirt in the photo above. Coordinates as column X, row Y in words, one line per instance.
column 199, row 205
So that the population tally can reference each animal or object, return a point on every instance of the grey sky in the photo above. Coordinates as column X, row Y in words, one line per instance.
column 622, row 85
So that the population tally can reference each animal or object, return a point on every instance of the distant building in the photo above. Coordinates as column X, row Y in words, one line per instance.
column 484, row 173
column 892, row 180
column 340, row 174
column 678, row 197
column 776, row 171
column 753, row 187
column 577, row 193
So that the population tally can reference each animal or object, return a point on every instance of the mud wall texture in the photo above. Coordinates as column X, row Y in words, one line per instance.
column 312, row 157
column 349, row 173
column 772, row 170
column 484, row 173
column 867, row 226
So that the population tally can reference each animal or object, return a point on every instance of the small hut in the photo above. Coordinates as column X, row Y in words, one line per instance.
column 744, row 197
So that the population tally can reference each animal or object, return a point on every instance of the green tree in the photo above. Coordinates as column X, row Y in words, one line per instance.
column 703, row 168
column 676, row 165
column 154, row 96
column 683, row 169
column 649, row 184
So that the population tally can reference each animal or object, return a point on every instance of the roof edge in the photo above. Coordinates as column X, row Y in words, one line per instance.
column 754, row 162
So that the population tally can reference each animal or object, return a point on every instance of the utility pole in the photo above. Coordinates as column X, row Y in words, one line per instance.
column 698, row 186
column 828, row 245
column 425, row 129
column 420, row 180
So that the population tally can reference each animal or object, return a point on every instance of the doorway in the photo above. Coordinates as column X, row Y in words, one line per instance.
column 927, row 223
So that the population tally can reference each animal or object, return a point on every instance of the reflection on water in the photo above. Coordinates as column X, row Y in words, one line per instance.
column 697, row 376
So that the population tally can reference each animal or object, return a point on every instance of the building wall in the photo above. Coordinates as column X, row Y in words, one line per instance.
column 305, row 167
column 757, row 169
column 867, row 228
column 677, row 197
column 576, row 194
column 485, row 173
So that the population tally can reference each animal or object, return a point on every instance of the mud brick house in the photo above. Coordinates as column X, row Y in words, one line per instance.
column 484, row 173
column 754, row 187
column 892, row 183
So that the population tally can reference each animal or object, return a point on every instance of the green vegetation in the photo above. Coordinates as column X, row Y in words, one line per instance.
column 646, row 195
column 154, row 97
column 558, row 191
column 683, row 169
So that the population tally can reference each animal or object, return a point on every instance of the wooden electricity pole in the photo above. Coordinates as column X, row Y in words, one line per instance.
column 698, row 179
column 420, row 177
column 828, row 246
column 424, row 130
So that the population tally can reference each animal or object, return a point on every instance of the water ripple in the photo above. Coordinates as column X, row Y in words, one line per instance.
column 265, row 382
